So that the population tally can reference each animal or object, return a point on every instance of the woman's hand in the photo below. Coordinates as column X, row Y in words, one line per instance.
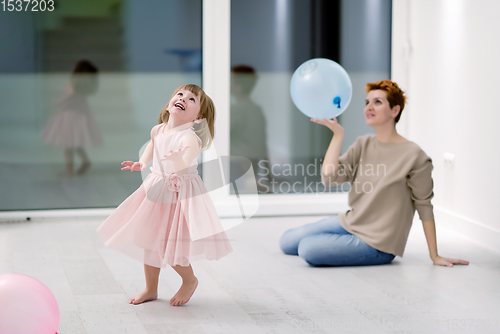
column 443, row 261
column 175, row 155
column 139, row 166
column 332, row 124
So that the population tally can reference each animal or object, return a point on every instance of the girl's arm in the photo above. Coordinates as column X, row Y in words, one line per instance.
column 147, row 156
column 183, row 157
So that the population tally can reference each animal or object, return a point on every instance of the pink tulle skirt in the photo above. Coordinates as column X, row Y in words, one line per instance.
column 72, row 129
column 169, row 220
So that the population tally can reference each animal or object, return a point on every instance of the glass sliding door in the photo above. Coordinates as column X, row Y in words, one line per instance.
column 269, row 40
column 80, row 89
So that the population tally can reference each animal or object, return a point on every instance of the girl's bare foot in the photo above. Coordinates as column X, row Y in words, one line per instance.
column 143, row 297
column 83, row 168
column 65, row 173
column 185, row 292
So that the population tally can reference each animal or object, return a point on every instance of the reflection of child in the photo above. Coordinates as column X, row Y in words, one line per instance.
column 74, row 127
column 170, row 219
column 248, row 126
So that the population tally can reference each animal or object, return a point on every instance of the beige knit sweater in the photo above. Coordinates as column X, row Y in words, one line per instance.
column 388, row 183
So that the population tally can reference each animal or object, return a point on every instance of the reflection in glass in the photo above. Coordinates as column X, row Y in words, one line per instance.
column 274, row 37
column 248, row 126
column 73, row 128
column 141, row 49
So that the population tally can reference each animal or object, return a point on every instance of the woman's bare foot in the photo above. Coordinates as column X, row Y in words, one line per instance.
column 185, row 292
column 143, row 297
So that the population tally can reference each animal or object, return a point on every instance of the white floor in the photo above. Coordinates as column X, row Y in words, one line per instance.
column 257, row 288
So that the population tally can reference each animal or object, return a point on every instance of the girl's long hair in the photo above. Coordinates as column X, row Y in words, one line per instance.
column 84, row 77
column 207, row 111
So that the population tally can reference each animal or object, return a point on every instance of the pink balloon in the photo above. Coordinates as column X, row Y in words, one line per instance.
column 27, row 306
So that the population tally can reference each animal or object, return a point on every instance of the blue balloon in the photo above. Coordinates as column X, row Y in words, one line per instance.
column 321, row 88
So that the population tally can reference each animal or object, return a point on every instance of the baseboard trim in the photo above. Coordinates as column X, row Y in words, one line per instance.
column 477, row 231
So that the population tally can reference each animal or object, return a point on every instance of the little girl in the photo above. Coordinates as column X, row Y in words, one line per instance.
column 73, row 127
column 170, row 219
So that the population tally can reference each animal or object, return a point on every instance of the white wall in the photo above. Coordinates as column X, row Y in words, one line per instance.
column 445, row 56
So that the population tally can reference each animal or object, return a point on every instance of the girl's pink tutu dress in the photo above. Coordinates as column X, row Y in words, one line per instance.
column 170, row 219
column 73, row 126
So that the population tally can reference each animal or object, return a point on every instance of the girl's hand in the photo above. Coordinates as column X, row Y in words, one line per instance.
column 332, row 124
column 175, row 155
column 443, row 261
column 139, row 166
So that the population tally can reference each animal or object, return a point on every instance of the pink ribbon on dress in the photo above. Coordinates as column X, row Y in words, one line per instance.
column 174, row 180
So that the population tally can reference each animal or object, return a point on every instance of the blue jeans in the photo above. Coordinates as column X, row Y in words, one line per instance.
column 327, row 243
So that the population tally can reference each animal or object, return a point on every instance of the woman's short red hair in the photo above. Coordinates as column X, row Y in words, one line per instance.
column 395, row 95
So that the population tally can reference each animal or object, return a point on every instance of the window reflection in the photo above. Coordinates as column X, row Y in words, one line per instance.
column 248, row 126
column 65, row 131
column 73, row 127
column 273, row 37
